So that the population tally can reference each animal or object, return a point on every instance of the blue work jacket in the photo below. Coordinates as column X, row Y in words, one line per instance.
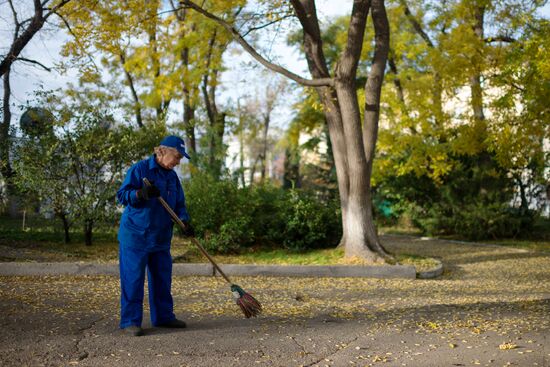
column 145, row 224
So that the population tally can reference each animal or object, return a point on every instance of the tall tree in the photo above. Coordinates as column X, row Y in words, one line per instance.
column 23, row 32
column 353, row 145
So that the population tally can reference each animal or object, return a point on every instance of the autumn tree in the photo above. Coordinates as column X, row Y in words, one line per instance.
column 76, row 168
column 473, row 122
column 353, row 140
column 23, row 32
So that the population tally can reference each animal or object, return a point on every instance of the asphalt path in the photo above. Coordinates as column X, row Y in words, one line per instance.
column 490, row 307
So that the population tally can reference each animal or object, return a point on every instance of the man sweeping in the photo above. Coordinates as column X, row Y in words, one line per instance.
column 145, row 234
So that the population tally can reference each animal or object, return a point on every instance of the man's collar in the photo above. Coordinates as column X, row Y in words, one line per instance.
column 153, row 162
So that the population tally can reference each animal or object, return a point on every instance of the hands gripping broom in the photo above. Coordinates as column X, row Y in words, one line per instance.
column 248, row 304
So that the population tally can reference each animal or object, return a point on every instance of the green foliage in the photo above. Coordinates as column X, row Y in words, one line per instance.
column 474, row 220
column 308, row 222
column 76, row 169
column 473, row 201
column 230, row 218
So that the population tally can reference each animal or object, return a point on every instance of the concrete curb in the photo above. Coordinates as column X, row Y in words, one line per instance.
column 432, row 273
column 382, row 271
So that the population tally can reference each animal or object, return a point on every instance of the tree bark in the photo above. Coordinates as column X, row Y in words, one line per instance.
column 13, row 199
column 20, row 41
column 217, row 120
column 373, row 89
column 35, row 24
column 263, row 155
column 313, row 47
column 88, row 232
column 475, row 79
column 135, row 97
column 66, row 227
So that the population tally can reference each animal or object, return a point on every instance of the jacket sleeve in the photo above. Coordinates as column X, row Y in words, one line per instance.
column 127, row 194
column 181, row 208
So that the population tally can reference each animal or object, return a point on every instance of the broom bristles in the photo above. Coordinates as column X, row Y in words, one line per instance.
column 248, row 304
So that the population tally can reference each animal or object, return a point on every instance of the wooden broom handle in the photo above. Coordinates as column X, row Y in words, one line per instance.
column 176, row 219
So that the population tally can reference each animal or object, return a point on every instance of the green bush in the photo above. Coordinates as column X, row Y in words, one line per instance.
column 473, row 201
column 308, row 223
column 474, row 221
column 229, row 218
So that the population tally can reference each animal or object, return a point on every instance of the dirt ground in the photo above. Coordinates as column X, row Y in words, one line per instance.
column 491, row 307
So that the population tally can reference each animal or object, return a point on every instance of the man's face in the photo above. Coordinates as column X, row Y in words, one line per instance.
column 170, row 158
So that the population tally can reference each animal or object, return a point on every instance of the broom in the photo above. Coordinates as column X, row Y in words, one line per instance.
column 248, row 304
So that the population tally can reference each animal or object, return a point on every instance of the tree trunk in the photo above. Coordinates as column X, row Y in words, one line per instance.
column 189, row 122
column 253, row 170
column 475, row 79
column 341, row 111
column 263, row 161
column 217, row 121
column 66, row 227
column 135, row 97
column 13, row 199
column 20, row 41
column 373, row 89
column 313, row 48
column 397, row 83
column 188, row 92
column 88, row 231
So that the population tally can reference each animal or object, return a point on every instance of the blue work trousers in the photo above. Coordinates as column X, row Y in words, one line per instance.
column 132, row 277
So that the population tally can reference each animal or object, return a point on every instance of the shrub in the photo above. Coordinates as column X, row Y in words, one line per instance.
column 474, row 221
column 308, row 222
column 229, row 218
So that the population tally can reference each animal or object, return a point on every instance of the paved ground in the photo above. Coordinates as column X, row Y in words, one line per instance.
column 491, row 307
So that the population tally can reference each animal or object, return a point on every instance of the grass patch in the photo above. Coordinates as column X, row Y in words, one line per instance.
column 333, row 256
column 41, row 239
column 533, row 245
column 400, row 230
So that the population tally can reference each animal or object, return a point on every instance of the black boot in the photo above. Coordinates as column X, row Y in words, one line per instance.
column 133, row 330
column 175, row 323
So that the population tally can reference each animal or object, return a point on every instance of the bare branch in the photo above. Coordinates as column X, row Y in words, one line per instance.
column 34, row 62
column 416, row 25
column 500, row 38
column 20, row 41
column 82, row 48
column 56, row 8
column 248, row 48
column 250, row 30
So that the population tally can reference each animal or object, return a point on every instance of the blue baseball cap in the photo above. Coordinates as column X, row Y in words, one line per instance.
column 177, row 143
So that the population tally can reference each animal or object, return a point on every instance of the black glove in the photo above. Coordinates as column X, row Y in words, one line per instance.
column 189, row 231
column 148, row 192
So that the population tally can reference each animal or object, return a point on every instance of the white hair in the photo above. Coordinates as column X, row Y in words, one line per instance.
column 163, row 148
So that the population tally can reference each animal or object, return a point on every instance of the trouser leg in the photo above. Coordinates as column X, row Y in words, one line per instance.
column 132, row 277
column 159, row 275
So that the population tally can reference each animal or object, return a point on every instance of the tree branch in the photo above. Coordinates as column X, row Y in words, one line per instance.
column 248, row 48
column 82, row 48
column 347, row 64
column 500, row 38
column 20, row 41
column 250, row 30
column 416, row 25
column 34, row 62
column 55, row 8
